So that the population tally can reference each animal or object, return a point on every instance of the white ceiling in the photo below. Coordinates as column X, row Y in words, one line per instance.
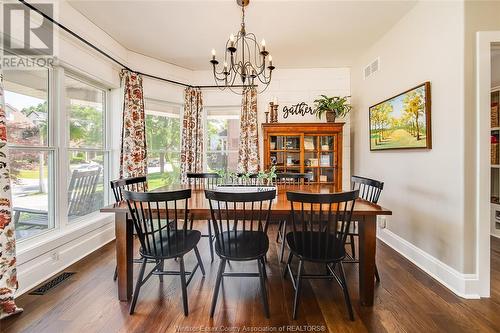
column 299, row 34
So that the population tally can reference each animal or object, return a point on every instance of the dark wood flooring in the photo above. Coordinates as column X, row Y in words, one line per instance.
column 407, row 300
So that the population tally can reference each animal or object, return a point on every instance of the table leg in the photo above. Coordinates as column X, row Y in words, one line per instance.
column 367, row 246
column 124, row 256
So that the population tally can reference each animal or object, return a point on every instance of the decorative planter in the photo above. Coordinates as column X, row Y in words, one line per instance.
column 330, row 116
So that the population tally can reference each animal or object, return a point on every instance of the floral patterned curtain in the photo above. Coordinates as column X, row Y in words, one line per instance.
column 192, row 133
column 8, row 274
column 133, row 158
column 248, row 159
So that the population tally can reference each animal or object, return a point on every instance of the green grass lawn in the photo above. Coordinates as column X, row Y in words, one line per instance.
column 32, row 174
column 158, row 179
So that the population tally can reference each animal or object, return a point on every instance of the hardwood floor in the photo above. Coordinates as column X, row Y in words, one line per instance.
column 407, row 300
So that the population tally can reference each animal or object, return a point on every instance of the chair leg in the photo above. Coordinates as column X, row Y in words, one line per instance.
column 346, row 292
column 263, row 291
column 138, row 286
column 282, row 251
column 263, row 261
column 288, row 262
column 210, row 241
column 115, row 276
column 183, row 286
column 198, row 257
column 353, row 247
column 377, row 276
column 222, row 266
column 279, row 231
column 297, row 289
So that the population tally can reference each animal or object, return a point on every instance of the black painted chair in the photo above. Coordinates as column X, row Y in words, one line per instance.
column 316, row 237
column 369, row 190
column 136, row 184
column 289, row 178
column 163, row 234
column 204, row 180
column 240, row 222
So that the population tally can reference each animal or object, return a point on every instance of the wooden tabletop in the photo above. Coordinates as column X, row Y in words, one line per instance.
column 198, row 204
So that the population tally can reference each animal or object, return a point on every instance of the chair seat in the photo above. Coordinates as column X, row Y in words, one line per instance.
column 242, row 245
column 315, row 246
column 179, row 243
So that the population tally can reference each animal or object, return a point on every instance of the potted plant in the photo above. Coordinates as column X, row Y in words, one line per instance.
column 332, row 107
column 268, row 176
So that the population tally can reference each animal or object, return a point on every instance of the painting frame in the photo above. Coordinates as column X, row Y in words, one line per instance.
column 427, row 112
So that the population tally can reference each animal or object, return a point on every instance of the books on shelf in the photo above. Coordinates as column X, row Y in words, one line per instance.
column 325, row 160
column 494, row 115
column 313, row 162
column 323, row 178
column 309, row 143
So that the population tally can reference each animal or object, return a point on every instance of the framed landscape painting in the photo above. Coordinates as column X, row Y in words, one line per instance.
column 402, row 121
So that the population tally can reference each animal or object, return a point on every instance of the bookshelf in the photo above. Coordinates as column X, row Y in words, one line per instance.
column 495, row 162
column 314, row 148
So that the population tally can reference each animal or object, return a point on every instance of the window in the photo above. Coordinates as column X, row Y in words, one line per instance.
column 163, row 138
column 86, row 106
column 31, row 156
column 222, row 139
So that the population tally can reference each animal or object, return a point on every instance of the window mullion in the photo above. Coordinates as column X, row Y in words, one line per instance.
column 61, row 137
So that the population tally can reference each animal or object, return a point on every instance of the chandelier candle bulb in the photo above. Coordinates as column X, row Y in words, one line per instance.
column 243, row 64
column 270, row 60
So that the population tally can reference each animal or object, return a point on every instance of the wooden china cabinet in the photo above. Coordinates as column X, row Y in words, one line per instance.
column 314, row 148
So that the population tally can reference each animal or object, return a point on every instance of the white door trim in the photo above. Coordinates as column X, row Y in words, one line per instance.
column 483, row 177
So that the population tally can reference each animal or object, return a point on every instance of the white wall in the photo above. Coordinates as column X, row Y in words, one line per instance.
column 291, row 86
column 424, row 188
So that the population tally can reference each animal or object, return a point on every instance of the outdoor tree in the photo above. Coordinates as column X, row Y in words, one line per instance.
column 162, row 137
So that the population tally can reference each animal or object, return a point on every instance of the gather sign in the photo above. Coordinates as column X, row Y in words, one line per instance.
column 299, row 109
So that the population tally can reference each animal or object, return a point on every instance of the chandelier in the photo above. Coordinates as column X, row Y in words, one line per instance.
column 244, row 58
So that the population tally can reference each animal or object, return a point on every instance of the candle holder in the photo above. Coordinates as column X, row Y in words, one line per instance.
column 271, row 112
column 267, row 116
column 274, row 118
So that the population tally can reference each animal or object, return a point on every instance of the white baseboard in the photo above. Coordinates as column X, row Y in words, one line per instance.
column 39, row 269
column 463, row 285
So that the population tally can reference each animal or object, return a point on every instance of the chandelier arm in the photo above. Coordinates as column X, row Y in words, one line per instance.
column 244, row 58
column 267, row 80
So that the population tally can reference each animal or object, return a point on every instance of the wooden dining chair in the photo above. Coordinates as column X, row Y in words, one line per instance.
column 289, row 178
column 369, row 190
column 136, row 184
column 240, row 222
column 204, row 180
column 248, row 179
column 315, row 237
column 161, row 223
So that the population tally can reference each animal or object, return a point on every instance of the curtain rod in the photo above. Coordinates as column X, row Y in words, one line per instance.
column 83, row 40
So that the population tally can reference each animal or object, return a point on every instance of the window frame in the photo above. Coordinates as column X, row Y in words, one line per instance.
column 180, row 106
column 64, row 163
column 52, row 156
column 206, row 117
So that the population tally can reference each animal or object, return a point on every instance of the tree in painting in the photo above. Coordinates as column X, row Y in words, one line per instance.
column 400, row 122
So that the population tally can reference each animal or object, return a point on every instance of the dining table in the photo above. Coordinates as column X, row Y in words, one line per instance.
column 365, row 214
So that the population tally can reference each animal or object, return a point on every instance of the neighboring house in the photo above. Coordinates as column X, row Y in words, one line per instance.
column 20, row 128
